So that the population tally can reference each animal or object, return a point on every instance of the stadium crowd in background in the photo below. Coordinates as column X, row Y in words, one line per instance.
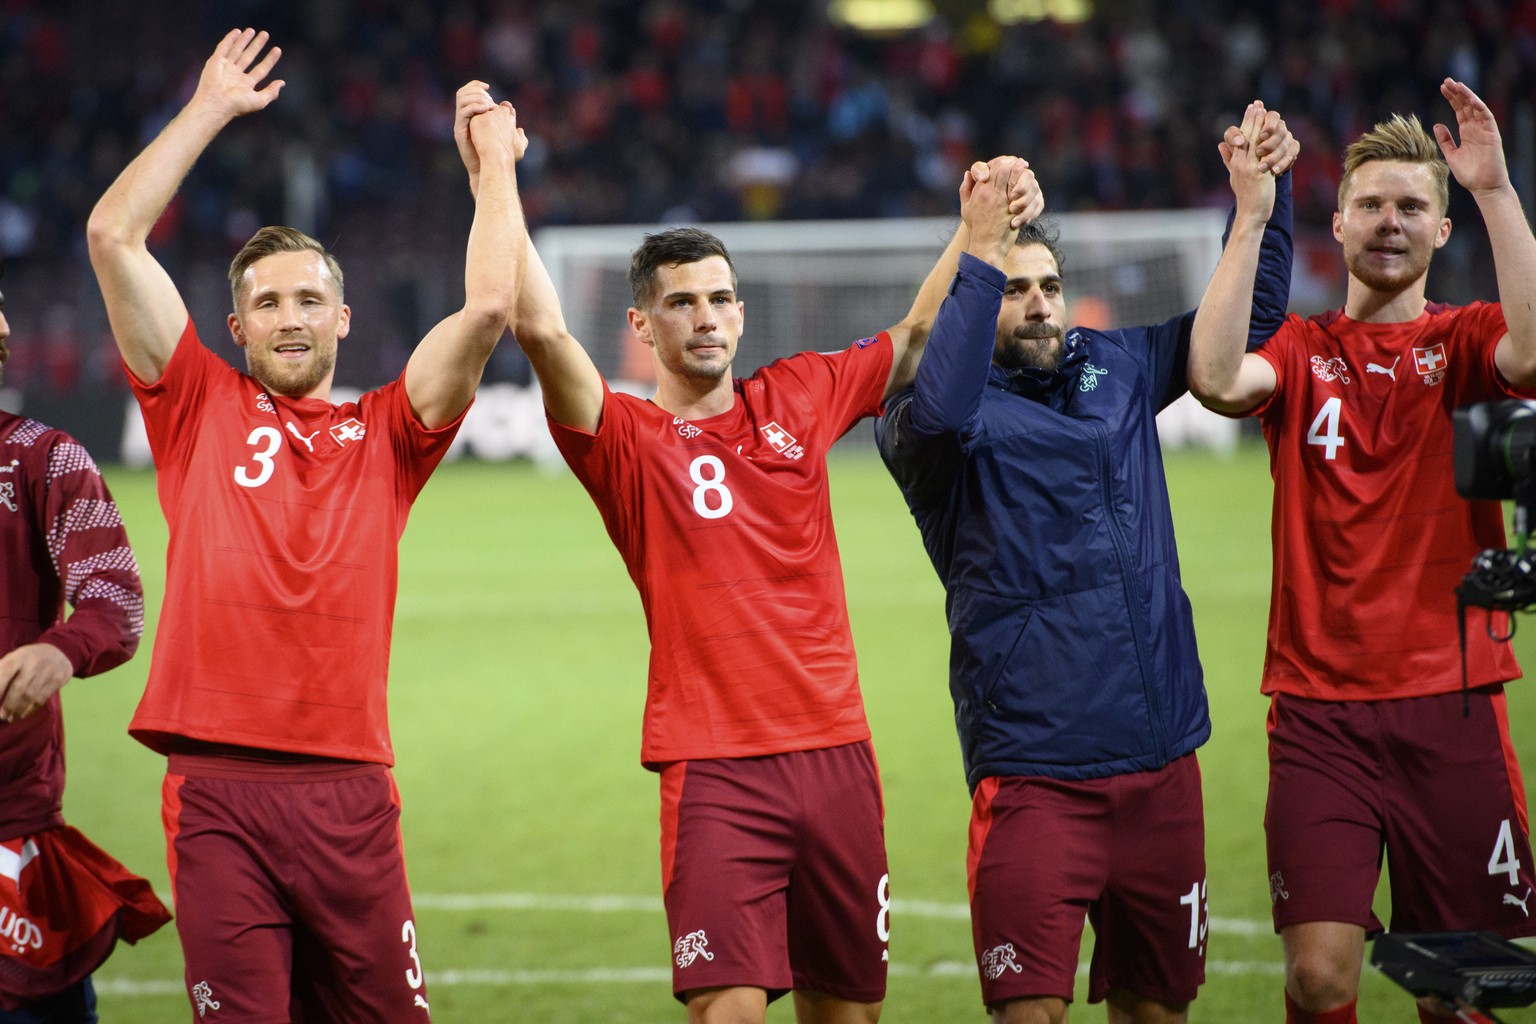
column 673, row 110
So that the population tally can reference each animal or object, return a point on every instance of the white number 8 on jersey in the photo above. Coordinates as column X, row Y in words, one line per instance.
column 713, row 483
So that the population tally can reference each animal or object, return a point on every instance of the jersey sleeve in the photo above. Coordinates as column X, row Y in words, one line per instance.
column 418, row 449
column 1277, row 352
column 1479, row 326
column 602, row 462
column 89, row 552
column 173, row 404
column 845, row 386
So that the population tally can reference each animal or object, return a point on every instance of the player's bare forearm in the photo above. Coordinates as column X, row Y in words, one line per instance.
column 1514, row 260
column 447, row 366
column 572, row 387
column 143, row 305
column 988, row 227
column 1219, row 373
column 910, row 336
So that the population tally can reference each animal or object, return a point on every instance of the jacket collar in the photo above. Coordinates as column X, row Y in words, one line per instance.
column 1047, row 386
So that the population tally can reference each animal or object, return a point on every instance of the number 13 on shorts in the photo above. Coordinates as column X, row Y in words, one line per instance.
column 1199, row 915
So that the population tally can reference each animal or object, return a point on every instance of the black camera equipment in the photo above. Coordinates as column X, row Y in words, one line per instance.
column 1470, row 973
column 1494, row 452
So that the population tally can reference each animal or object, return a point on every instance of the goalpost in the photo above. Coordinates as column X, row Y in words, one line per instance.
column 822, row 285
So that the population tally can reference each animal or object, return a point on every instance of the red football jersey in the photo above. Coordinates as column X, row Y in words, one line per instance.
column 1370, row 536
column 725, row 525
column 61, row 542
column 285, row 518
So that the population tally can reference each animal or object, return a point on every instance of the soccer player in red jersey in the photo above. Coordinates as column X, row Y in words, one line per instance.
column 267, row 685
column 1370, row 747
column 715, row 492
column 63, row 902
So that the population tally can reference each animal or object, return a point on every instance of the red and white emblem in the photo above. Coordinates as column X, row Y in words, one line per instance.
column 782, row 441
column 1429, row 360
column 348, row 431
column 778, row 437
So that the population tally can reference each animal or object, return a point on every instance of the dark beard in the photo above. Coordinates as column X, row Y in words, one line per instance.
column 1033, row 346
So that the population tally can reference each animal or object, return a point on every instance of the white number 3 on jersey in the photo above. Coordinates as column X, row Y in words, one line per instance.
column 266, row 441
column 1325, row 428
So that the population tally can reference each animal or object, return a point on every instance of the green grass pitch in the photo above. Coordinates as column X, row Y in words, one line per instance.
column 531, row 833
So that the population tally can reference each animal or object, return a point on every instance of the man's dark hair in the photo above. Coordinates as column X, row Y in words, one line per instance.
column 1044, row 232
column 669, row 249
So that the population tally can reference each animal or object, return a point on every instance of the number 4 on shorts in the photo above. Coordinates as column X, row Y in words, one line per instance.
column 1504, row 859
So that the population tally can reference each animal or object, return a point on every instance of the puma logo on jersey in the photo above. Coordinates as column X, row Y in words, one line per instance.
column 690, row 947
column 1511, row 900
column 1390, row 371
column 308, row 441
column 423, row 1004
column 1329, row 369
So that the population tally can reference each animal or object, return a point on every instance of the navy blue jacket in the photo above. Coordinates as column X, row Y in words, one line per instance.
column 1043, row 505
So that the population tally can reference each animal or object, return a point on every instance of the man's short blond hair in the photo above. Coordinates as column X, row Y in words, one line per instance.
column 269, row 241
column 1402, row 139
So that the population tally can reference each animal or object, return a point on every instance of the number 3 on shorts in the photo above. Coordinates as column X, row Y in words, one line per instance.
column 1503, row 860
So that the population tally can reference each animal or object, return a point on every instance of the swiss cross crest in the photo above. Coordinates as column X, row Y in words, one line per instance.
column 348, row 431
column 1430, row 362
column 782, row 441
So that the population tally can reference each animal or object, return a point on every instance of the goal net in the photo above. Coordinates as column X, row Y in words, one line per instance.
column 821, row 285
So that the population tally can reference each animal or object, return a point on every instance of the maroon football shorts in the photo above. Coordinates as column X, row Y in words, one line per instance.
column 774, row 873
column 1129, row 850
column 289, row 879
column 1439, row 792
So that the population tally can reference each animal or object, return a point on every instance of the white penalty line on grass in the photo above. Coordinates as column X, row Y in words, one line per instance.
column 609, row 904
column 127, row 987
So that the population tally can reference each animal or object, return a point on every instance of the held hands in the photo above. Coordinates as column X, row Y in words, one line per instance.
column 996, row 199
column 1277, row 148
column 1251, row 173
column 229, row 85
column 1478, row 163
column 478, row 136
column 29, row 676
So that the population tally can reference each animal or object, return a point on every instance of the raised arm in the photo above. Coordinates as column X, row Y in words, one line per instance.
column 445, row 369
column 1479, row 166
column 1221, row 374
column 951, row 380
column 1024, row 203
column 145, row 309
column 572, row 387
